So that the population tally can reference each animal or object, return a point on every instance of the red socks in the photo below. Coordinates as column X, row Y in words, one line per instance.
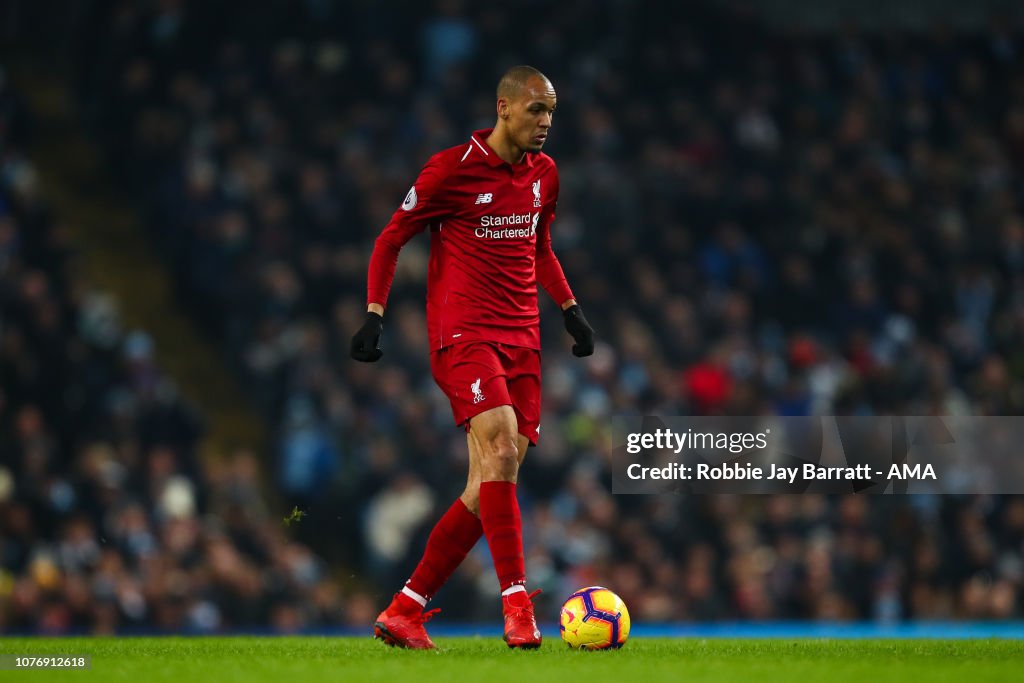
column 453, row 537
column 457, row 532
column 499, row 515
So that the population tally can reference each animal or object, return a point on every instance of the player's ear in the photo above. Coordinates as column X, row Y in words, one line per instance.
column 503, row 108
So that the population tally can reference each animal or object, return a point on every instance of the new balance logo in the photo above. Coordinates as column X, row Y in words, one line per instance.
column 478, row 395
column 485, row 198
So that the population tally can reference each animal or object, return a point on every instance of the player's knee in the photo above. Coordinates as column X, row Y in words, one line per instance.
column 501, row 452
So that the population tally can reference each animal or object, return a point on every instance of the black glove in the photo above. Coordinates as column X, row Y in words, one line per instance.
column 581, row 331
column 366, row 342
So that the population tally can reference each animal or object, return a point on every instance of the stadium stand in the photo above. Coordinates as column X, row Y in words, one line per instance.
column 108, row 523
column 756, row 223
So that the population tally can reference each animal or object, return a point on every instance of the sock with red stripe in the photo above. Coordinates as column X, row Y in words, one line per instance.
column 452, row 538
column 503, row 527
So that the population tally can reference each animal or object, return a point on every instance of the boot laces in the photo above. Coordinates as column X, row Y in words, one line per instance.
column 424, row 617
column 528, row 607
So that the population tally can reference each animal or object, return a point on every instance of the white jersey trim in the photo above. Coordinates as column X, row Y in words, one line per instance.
column 480, row 146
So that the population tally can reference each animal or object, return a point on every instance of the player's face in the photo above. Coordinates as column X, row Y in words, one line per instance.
column 531, row 114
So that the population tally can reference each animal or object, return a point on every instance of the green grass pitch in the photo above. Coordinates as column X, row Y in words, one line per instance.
column 648, row 660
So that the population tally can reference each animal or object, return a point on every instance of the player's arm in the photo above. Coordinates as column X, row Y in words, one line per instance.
column 552, row 278
column 421, row 205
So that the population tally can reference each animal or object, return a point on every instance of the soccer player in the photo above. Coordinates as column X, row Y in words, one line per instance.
column 489, row 204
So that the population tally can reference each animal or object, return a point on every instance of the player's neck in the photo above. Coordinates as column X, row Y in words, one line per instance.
column 499, row 141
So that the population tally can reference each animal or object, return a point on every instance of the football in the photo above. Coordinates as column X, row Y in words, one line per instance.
column 594, row 618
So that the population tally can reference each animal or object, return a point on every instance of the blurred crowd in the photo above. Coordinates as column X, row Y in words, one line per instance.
column 108, row 523
column 754, row 224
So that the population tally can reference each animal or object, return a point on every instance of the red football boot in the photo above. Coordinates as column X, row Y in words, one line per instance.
column 402, row 622
column 520, row 624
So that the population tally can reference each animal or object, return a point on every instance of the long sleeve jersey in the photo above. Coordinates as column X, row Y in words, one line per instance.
column 490, row 244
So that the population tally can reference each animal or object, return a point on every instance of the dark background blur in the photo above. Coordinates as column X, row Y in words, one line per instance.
column 767, row 208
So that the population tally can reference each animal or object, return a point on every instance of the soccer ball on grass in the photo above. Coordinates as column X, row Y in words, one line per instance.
column 594, row 618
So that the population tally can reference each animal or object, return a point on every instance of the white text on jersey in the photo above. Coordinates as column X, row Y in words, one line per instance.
column 508, row 233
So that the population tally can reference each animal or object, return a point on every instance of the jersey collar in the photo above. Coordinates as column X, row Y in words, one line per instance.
column 479, row 140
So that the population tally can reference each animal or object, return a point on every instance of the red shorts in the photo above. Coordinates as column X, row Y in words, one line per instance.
column 478, row 376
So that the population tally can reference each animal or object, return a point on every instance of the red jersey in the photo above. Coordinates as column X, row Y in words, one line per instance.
column 490, row 244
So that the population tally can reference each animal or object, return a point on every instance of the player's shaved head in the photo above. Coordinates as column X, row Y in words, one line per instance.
column 525, row 107
column 514, row 82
